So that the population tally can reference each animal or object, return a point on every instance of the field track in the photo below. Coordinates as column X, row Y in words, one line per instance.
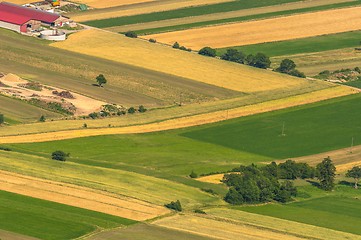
column 79, row 197
column 141, row 8
column 225, row 15
column 253, row 32
column 187, row 121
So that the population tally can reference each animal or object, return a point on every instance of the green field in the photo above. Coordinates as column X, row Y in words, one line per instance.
column 304, row 45
column 51, row 221
column 185, row 12
column 338, row 213
column 356, row 84
column 310, row 129
column 244, row 18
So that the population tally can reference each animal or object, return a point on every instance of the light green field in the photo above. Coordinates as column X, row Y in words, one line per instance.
column 51, row 221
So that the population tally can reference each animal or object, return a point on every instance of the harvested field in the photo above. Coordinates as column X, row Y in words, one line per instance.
column 314, row 63
column 214, row 178
column 149, row 7
column 79, row 197
column 187, row 121
column 223, row 74
column 283, row 28
column 221, row 228
column 19, row 1
column 308, row 231
column 226, row 15
column 110, row 3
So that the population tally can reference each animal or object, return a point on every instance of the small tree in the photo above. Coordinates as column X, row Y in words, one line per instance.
column 142, row 109
column 59, row 156
column 260, row 61
column 131, row 110
column 101, row 80
column 42, row 118
column 2, row 118
column 286, row 66
column 326, row 172
column 208, row 51
column 174, row 205
column 152, row 40
column 193, row 174
column 176, row 45
column 131, row 34
column 354, row 173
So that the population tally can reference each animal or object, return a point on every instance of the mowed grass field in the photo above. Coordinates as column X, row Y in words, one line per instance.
column 283, row 28
column 50, row 221
column 303, row 45
column 338, row 213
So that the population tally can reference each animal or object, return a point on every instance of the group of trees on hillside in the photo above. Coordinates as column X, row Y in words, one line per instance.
column 288, row 66
column 272, row 182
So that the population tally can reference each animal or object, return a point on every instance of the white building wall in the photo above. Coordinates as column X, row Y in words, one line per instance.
column 10, row 26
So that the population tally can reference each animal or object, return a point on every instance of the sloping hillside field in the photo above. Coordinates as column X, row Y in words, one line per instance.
column 268, row 30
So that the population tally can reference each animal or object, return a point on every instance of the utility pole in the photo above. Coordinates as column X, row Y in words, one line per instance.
column 283, row 130
column 351, row 149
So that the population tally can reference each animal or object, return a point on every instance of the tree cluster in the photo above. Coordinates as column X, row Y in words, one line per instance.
column 131, row 34
column 176, row 45
column 259, row 60
column 174, row 205
column 354, row 173
column 60, row 155
column 257, row 185
column 288, row 66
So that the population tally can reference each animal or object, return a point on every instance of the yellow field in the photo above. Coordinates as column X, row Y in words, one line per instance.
column 277, row 224
column 79, row 197
column 221, row 228
column 18, row 1
column 215, row 178
column 110, row 3
column 185, row 121
column 225, row 15
column 156, row 6
column 268, row 30
column 180, row 63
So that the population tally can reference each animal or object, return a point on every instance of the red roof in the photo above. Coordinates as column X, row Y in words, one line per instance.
column 19, row 15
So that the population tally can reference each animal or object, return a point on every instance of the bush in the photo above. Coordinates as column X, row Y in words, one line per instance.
column 85, row 125
column 131, row 34
column 297, row 73
column 233, row 55
column 152, row 40
column 174, row 205
column 42, row 118
column 5, row 149
column 176, row 45
column 208, row 51
column 193, row 175
column 131, row 110
column 93, row 115
column 200, row 211
column 142, row 109
column 208, row 190
column 59, row 156
column 2, row 118
column 260, row 60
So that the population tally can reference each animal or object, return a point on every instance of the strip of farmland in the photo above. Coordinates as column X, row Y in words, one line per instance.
column 283, row 28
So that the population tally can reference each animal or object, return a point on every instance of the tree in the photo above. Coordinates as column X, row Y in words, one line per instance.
column 297, row 73
column 131, row 110
column 174, row 205
column 326, row 172
column 42, row 118
column 259, row 61
column 233, row 55
column 2, row 118
column 176, row 45
column 286, row 66
column 354, row 173
column 142, row 109
column 59, row 155
column 101, row 80
column 193, row 174
column 208, row 51
column 131, row 34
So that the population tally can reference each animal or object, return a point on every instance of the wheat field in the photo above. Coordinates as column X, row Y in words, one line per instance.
column 268, row 30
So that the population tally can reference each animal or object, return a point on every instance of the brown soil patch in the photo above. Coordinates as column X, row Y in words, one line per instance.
column 80, row 197
column 268, row 30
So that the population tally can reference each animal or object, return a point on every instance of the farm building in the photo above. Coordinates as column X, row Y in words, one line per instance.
column 20, row 19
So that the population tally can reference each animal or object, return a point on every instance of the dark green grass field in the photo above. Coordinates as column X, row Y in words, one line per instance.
column 244, row 18
column 310, row 129
column 334, row 212
column 304, row 45
column 51, row 221
column 356, row 84
column 185, row 12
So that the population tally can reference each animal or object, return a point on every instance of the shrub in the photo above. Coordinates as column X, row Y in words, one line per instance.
column 174, row 205
column 131, row 110
column 122, row 112
column 193, row 175
column 59, row 156
column 208, row 51
column 42, row 118
column 85, row 125
column 176, row 45
column 93, row 115
column 183, row 48
column 2, row 118
column 233, row 55
column 297, row 73
column 142, row 109
column 200, row 211
column 131, row 34
column 152, row 40
column 208, row 190
column 5, row 149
